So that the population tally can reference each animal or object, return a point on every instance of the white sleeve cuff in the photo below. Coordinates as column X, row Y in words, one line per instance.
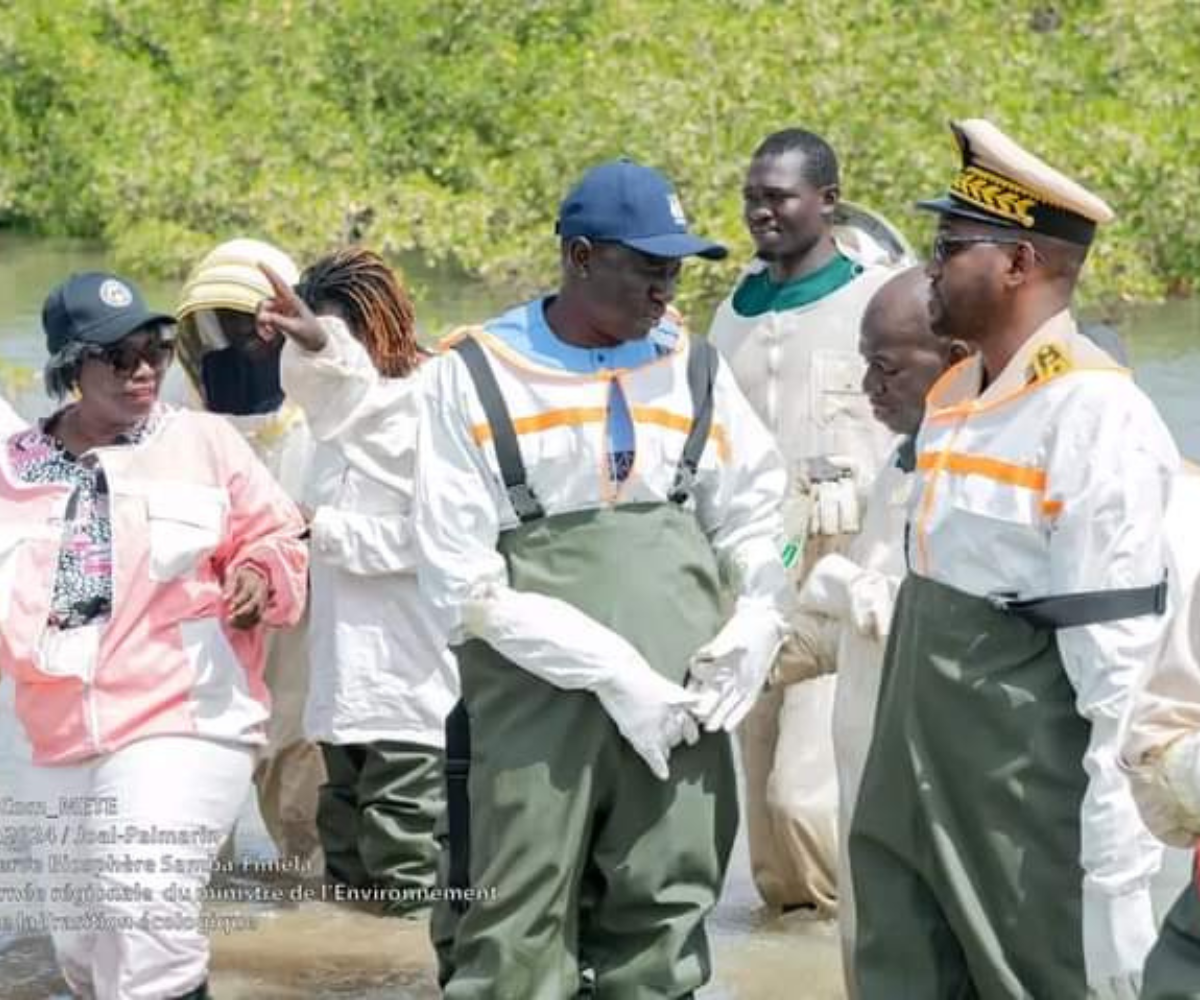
column 827, row 589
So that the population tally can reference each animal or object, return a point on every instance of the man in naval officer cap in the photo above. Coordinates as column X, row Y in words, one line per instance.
column 995, row 846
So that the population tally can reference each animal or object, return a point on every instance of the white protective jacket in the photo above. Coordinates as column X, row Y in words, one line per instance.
column 10, row 422
column 379, row 667
column 857, row 592
column 462, row 505
column 282, row 442
column 1161, row 745
column 844, row 615
column 802, row 373
column 1054, row 480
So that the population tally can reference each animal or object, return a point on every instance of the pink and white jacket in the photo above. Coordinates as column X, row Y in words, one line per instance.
column 189, row 504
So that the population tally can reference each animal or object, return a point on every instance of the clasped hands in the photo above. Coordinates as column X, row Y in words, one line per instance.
column 725, row 678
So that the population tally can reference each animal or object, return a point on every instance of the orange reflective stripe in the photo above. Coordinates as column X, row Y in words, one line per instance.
column 1052, row 508
column 574, row 416
column 482, row 433
column 664, row 418
column 981, row 465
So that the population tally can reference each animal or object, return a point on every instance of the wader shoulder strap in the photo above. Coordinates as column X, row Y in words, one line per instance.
column 458, row 802
column 1087, row 607
column 504, row 435
column 701, row 375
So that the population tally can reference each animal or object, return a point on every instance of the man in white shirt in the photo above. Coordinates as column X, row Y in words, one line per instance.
column 845, row 605
column 790, row 331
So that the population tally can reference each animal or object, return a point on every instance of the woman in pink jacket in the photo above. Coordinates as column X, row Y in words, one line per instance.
column 142, row 552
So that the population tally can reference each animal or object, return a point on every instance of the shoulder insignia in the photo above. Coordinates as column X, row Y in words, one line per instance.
column 1048, row 361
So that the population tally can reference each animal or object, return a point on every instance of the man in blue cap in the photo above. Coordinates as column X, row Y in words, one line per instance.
column 584, row 468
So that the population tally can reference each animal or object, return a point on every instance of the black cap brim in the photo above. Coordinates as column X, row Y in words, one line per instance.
column 677, row 245
column 948, row 206
column 122, row 325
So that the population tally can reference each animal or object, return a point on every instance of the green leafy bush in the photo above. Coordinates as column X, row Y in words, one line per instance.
column 451, row 128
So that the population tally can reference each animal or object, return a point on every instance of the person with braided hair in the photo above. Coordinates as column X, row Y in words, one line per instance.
column 381, row 679
column 358, row 287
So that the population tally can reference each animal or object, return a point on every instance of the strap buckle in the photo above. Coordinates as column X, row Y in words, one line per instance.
column 524, row 502
column 1001, row 600
column 684, row 484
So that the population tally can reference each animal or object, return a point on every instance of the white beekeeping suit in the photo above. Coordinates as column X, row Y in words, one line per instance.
column 217, row 348
column 801, row 371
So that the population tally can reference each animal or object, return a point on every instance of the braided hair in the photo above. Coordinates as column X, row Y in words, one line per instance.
column 366, row 293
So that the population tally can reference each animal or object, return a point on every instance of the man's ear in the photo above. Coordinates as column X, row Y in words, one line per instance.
column 958, row 350
column 1021, row 264
column 831, row 194
column 577, row 257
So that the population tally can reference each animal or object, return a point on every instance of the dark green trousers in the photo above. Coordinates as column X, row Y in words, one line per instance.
column 376, row 818
column 964, row 845
column 583, row 858
column 1173, row 966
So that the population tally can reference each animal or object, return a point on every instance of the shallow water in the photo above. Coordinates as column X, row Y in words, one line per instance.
column 322, row 951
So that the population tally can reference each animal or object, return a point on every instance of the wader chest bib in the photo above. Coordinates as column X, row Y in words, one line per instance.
column 965, row 840
column 577, row 856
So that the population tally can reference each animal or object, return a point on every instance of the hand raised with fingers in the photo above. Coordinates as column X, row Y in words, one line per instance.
column 286, row 313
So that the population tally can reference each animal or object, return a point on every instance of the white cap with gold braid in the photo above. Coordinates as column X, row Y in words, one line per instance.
column 1002, row 184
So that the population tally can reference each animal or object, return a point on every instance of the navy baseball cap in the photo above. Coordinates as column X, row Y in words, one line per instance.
column 96, row 308
column 624, row 202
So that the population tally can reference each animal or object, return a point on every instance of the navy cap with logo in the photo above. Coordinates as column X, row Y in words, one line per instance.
column 624, row 202
column 95, row 308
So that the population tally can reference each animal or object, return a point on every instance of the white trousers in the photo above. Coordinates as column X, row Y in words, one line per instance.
column 126, row 850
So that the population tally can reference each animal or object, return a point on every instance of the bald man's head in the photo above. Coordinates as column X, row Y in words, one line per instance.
column 904, row 357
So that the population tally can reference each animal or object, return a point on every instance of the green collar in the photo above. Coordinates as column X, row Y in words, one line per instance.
column 758, row 294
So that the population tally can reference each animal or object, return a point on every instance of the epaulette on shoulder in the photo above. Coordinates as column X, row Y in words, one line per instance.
column 1049, row 361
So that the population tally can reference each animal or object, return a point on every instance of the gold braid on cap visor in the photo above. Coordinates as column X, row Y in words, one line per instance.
column 1013, row 203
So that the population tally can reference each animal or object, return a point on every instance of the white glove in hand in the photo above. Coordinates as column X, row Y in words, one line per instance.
column 832, row 487
column 1179, row 769
column 1160, row 810
column 558, row 643
column 729, row 672
column 841, row 589
column 835, row 508
column 871, row 605
column 651, row 712
column 1118, row 933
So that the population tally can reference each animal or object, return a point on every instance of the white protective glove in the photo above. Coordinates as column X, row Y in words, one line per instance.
column 1167, row 791
column 1118, row 933
column 729, row 672
column 558, row 643
column 841, row 589
column 1160, row 809
column 833, row 488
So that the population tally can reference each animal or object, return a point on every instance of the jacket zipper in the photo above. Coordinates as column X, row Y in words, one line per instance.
column 774, row 361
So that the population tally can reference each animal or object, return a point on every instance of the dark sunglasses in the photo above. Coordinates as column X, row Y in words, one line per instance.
column 126, row 359
column 945, row 247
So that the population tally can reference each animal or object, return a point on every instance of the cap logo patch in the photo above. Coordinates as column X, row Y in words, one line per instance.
column 115, row 294
column 676, row 207
column 998, row 195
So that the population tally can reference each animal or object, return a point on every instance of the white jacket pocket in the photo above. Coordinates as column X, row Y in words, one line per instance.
column 186, row 524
